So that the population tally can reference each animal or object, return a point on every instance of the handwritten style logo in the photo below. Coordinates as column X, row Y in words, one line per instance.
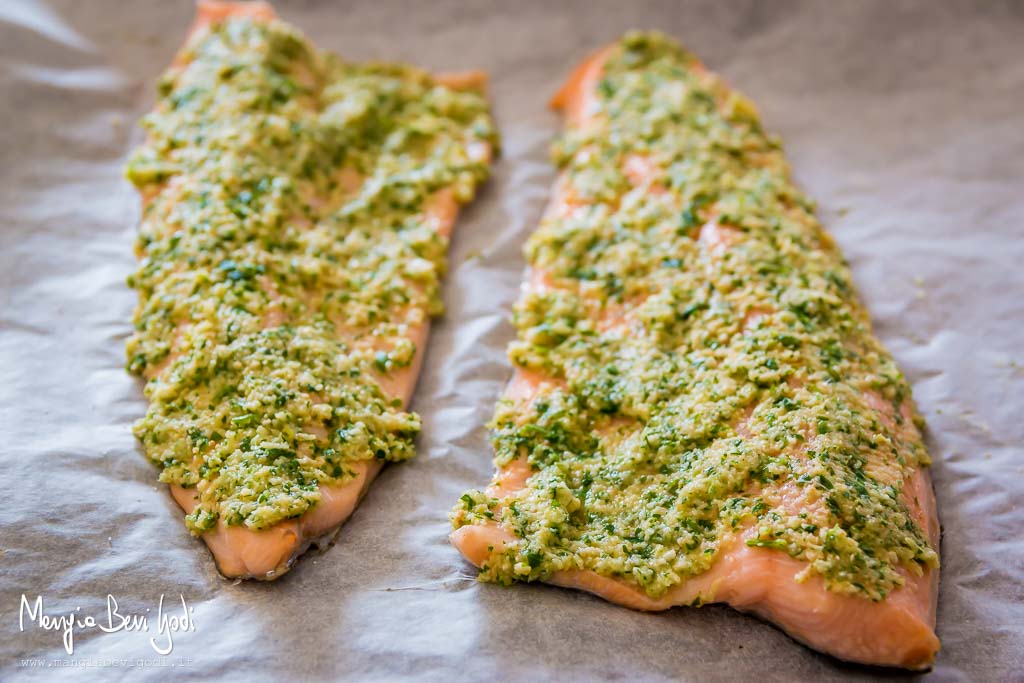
column 168, row 622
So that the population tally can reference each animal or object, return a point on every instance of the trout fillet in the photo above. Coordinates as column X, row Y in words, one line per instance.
column 296, row 216
column 700, row 411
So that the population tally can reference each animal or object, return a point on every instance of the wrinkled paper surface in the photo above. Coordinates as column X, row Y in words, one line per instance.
column 902, row 119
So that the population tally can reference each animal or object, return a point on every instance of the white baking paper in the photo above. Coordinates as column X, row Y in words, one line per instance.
column 905, row 120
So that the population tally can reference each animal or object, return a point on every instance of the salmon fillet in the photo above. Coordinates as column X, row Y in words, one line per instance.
column 700, row 411
column 296, row 216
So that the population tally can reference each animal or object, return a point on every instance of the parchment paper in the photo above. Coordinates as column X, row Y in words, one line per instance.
column 903, row 119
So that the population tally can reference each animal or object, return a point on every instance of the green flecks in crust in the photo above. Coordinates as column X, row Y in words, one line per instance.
column 285, row 257
column 743, row 399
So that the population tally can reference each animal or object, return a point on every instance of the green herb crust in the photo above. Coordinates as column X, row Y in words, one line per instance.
column 712, row 376
column 285, row 257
